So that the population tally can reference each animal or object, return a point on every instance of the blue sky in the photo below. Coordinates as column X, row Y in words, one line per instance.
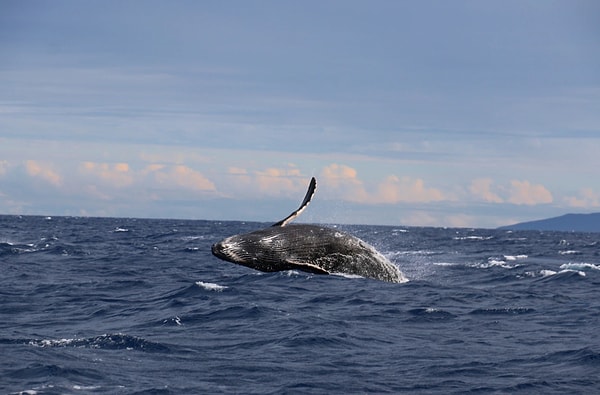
column 433, row 113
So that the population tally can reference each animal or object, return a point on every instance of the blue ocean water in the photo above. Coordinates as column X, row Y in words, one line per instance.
column 138, row 306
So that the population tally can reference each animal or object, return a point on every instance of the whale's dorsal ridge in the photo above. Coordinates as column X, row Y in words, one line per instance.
column 312, row 187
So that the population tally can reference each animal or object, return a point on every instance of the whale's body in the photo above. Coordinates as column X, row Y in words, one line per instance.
column 310, row 248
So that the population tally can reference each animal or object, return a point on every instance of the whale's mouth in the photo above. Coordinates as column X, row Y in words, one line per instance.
column 218, row 250
column 231, row 251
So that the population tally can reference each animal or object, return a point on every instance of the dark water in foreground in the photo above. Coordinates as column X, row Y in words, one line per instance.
column 122, row 306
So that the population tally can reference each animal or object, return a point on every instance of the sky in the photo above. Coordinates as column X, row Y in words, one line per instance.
column 408, row 113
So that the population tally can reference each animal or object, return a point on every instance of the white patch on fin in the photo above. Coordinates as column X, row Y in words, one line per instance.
column 312, row 187
column 309, row 267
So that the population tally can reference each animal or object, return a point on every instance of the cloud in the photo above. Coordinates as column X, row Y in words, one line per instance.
column 393, row 189
column 343, row 182
column 3, row 167
column 43, row 171
column 121, row 175
column 153, row 167
column 481, row 188
column 237, row 170
column 523, row 192
column 586, row 199
column 287, row 181
column 182, row 176
column 336, row 174
column 423, row 218
column 238, row 181
column 406, row 190
column 98, row 193
column 118, row 175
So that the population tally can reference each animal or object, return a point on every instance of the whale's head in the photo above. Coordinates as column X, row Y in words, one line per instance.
column 251, row 250
column 269, row 250
column 233, row 249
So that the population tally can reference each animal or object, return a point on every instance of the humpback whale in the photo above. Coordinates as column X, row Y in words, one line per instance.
column 310, row 248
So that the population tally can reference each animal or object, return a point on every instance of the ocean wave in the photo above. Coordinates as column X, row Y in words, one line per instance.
column 567, row 272
column 569, row 252
column 475, row 238
column 228, row 314
column 152, row 311
column 430, row 314
column 8, row 248
column 579, row 266
column 515, row 257
column 211, row 286
column 393, row 254
column 494, row 262
column 116, row 341
column 176, row 321
column 193, row 238
column 503, row 311
column 504, row 262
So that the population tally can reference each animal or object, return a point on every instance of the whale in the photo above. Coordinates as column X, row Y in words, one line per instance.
column 309, row 248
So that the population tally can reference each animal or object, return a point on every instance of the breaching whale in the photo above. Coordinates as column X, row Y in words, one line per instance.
column 310, row 248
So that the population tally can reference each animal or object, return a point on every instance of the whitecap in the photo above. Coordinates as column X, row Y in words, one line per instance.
column 569, row 252
column 495, row 262
column 86, row 387
column 473, row 238
column 192, row 238
column 492, row 262
column 52, row 343
column 211, row 286
column 515, row 257
column 579, row 266
column 291, row 273
column 546, row 273
column 446, row 264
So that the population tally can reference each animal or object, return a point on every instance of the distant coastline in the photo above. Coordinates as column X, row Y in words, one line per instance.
column 565, row 223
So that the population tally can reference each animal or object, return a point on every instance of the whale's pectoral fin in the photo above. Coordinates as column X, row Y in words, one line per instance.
column 308, row 267
column 312, row 187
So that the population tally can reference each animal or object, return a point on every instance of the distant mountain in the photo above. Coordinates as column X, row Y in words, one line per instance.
column 566, row 223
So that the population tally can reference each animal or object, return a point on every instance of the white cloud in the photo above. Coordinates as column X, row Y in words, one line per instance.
column 481, row 188
column 118, row 175
column 280, row 181
column 406, row 189
column 3, row 167
column 43, row 171
column 237, row 170
column 184, row 177
column 523, row 192
column 393, row 189
column 587, row 199
column 342, row 183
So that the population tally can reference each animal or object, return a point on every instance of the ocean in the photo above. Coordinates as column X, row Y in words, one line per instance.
column 140, row 306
